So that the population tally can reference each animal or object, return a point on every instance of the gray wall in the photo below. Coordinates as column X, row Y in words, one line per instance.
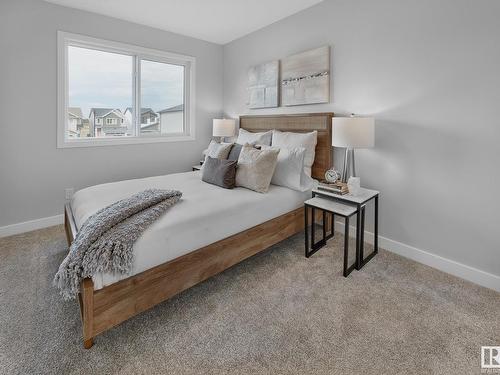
column 429, row 72
column 33, row 172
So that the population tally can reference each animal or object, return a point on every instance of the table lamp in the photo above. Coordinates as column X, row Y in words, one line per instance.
column 351, row 133
column 223, row 128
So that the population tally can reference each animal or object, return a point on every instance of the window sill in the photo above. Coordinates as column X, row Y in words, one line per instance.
column 97, row 142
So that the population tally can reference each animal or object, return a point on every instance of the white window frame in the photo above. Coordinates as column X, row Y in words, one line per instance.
column 65, row 39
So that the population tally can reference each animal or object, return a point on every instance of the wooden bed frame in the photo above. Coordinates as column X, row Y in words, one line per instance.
column 107, row 307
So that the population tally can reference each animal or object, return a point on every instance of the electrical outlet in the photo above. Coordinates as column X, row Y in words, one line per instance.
column 69, row 193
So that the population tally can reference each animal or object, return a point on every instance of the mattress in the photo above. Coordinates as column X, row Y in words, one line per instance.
column 205, row 214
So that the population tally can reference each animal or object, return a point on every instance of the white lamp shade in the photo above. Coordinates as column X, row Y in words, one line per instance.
column 223, row 127
column 353, row 132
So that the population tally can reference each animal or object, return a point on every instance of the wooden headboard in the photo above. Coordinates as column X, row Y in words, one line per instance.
column 300, row 123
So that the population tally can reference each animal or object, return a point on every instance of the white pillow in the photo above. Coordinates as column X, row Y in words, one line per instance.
column 256, row 168
column 292, row 140
column 289, row 170
column 263, row 138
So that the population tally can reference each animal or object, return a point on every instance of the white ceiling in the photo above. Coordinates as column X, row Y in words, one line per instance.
column 218, row 21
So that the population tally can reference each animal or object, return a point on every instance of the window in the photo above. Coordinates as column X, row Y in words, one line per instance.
column 140, row 95
column 160, row 82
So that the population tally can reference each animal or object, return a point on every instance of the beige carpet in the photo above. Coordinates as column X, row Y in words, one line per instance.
column 277, row 312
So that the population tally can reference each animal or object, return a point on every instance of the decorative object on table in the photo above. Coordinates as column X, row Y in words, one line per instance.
column 223, row 128
column 332, row 176
column 263, row 85
column 350, row 133
column 305, row 77
column 335, row 188
column 354, row 185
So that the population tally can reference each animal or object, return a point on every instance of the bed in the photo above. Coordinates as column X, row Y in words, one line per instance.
column 205, row 233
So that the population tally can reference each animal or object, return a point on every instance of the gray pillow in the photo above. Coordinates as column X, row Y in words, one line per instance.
column 234, row 154
column 219, row 172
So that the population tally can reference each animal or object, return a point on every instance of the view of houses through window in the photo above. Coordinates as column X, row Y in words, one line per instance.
column 101, row 95
column 157, row 86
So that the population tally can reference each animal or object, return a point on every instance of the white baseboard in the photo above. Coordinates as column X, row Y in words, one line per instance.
column 474, row 275
column 28, row 226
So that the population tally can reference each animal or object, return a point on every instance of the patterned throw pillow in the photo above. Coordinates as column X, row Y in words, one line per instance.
column 256, row 168
column 217, row 150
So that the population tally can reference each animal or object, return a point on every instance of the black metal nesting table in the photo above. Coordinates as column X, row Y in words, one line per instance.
column 357, row 204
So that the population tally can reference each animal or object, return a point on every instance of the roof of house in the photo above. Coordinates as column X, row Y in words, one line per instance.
column 177, row 108
column 101, row 112
column 75, row 111
column 143, row 110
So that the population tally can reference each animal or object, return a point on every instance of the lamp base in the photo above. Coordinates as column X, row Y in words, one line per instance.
column 349, row 164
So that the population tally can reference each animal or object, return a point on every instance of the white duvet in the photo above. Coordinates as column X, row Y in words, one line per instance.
column 205, row 214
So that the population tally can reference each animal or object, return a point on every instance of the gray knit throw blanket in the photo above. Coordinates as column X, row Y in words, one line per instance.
column 104, row 242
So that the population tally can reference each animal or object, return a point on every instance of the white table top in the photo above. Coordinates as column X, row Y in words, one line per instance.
column 363, row 196
column 332, row 206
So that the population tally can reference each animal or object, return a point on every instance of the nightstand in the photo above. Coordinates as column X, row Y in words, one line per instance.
column 326, row 205
column 358, row 201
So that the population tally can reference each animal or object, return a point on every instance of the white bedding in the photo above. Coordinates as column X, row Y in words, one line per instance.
column 205, row 214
